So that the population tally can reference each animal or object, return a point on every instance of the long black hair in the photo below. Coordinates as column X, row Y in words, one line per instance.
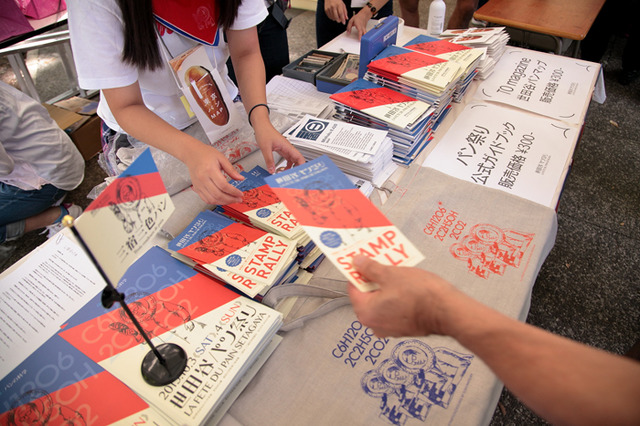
column 140, row 46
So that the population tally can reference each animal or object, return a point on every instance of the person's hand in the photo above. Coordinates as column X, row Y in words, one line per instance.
column 336, row 10
column 207, row 166
column 409, row 302
column 270, row 140
column 359, row 21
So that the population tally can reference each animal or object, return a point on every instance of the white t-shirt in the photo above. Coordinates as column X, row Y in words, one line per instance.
column 96, row 26
column 34, row 151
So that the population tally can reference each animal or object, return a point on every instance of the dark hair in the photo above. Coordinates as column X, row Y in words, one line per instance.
column 140, row 47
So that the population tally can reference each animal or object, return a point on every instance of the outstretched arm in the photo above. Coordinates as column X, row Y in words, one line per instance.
column 205, row 163
column 249, row 67
column 563, row 381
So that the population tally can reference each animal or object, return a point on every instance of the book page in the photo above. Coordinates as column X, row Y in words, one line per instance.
column 40, row 295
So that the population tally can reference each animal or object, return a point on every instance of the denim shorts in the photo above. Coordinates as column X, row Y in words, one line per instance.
column 16, row 204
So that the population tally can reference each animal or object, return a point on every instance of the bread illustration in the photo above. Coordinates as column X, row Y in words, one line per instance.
column 207, row 94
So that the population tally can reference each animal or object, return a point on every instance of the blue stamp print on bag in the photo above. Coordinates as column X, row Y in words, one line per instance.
column 263, row 213
column 415, row 378
column 233, row 260
column 331, row 239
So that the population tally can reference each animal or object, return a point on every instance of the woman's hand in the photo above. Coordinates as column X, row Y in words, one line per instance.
column 359, row 21
column 336, row 10
column 207, row 168
column 270, row 141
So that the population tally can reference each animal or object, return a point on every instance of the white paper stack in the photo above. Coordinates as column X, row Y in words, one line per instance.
column 359, row 151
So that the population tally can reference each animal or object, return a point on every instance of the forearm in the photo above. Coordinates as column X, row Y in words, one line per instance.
column 250, row 73
column 144, row 125
column 563, row 381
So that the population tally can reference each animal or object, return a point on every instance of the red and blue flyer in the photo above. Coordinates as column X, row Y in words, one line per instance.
column 118, row 225
column 392, row 108
column 235, row 252
column 340, row 219
column 221, row 332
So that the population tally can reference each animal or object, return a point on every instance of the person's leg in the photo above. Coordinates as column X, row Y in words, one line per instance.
column 274, row 44
column 410, row 13
column 23, row 211
column 462, row 14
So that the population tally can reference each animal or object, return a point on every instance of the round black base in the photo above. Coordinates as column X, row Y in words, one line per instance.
column 156, row 374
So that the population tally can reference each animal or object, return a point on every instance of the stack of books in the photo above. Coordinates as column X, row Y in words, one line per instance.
column 246, row 258
column 362, row 152
column 407, row 120
column 261, row 208
column 468, row 58
column 494, row 40
column 97, row 355
column 424, row 77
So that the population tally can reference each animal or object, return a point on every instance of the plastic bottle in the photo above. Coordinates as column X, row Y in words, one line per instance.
column 437, row 10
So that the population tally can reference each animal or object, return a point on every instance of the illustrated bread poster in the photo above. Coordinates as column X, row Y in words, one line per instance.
column 205, row 93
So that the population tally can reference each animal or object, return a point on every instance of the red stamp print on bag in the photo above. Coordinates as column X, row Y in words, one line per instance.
column 488, row 249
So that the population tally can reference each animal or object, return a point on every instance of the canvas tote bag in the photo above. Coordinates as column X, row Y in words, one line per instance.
column 331, row 370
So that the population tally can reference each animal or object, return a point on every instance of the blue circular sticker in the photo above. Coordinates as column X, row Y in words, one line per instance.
column 331, row 239
column 233, row 260
column 263, row 213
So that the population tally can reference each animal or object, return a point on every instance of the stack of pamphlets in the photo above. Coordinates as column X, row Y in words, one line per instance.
column 407, row 120
column 340, row 219
column 493, row 39
column 89, row 371
column 260, row 207
column 363, row 152
column 424, row 77
column 244, row 257
column 468, row 58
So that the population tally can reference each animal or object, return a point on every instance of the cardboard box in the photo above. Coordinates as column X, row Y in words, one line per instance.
column 83, row 127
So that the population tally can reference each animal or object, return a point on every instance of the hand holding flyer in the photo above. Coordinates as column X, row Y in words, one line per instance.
column 340, row 219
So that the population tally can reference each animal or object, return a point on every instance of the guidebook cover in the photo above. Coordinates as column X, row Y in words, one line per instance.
column 227, row 247
column 59, row 385
column 340, row 219
column 222, row 333
column 118, row 225
column 396, row 62
column 261, row 206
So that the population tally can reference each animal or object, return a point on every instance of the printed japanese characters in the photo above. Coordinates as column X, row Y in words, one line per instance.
column 340, row 219
column 550, row 85
column 223, row 334
column 118, row 225
column 507, row 149
column 207, row 94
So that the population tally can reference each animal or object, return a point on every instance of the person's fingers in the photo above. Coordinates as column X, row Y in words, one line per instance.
column 369, row 268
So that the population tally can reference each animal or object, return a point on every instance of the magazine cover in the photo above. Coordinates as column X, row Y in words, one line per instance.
column 59, row 385
column 391, row 107
column 118, row 225
column 221, row 332
column 226, row 247
column 340, row 219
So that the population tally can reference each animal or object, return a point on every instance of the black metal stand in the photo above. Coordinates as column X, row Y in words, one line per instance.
column 164, row 363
